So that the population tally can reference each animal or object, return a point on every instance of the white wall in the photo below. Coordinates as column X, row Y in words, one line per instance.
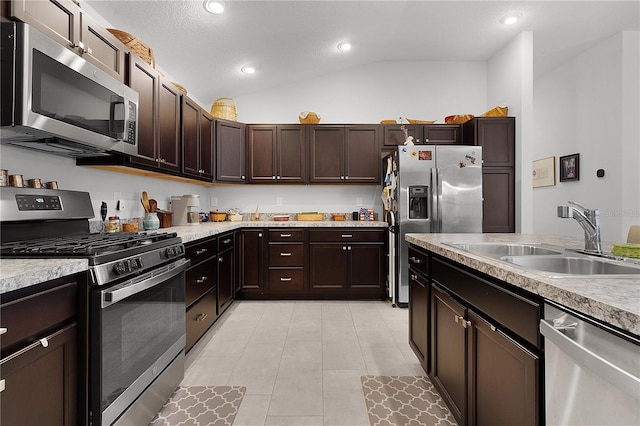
column 590, row 106
column 510, row 83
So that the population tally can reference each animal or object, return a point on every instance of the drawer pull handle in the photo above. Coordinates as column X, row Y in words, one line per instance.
column 227, row 241
column 3, row 330
column 285, row 254
column 284, row 279
column 347, row 236
column 44, row 342
column 415, row 260
column 1, row 385
column 285, row 235
column 201, row 317
column 201, row 280
column 456, row 318
column 493, row 327
column 201, row 251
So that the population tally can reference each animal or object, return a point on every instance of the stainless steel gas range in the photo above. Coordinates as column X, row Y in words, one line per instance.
column 133, row 304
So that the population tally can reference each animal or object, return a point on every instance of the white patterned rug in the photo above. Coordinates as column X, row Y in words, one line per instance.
column 403, row 401
column 200, row 406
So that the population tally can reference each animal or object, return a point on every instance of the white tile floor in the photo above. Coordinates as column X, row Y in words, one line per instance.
column 301, row 361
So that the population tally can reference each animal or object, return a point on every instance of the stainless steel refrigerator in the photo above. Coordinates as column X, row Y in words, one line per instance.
column 427, row 189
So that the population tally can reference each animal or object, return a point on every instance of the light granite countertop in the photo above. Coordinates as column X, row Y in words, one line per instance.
column 20, row 273
column 615, row 301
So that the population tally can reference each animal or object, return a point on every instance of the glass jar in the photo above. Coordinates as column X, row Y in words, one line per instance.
column 150, row 222
column 113, row 224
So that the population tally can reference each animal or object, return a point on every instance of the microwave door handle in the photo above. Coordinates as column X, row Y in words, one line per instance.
column 138, row 285
column 116, row 131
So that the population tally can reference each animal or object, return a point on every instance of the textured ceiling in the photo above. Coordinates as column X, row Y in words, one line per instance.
column 292, row 41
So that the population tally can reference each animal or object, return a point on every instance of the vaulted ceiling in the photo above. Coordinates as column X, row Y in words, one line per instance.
column 289, row 41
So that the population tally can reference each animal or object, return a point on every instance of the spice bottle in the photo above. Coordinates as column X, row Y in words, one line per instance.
column 113, row 225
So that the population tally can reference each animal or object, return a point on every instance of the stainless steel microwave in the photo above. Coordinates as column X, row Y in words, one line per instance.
column 53, row 100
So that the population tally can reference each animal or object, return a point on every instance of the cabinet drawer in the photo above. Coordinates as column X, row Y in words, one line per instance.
column 347, row 235
column 418, row 260
column 285, row 235
column 199, row 280
column 200, row 317
column 286, row 254
column 200, row 250
column 31, row 317
column 286, row 279
column 225, row 241
column 517, row 313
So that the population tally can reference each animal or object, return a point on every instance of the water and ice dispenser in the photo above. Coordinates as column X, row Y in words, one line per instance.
column 418, row 202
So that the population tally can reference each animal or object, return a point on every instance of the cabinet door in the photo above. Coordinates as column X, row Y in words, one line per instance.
column 230, row 156
column 366, row 270
column 496, row 136
column 261, row 155
column 102, row 49
column 190, row 137
column 362, row 154
column 328, row 266
column 145, row 80
column 169, row 123
column 393, row 135
column 41, row 384
column 498, row 205
column 326, row 154
column 419, row 317
column 207, row 139
column 441, row 134
column 225, row 280
column 251, row 260
column 291, row 155
column 448, row 352
column 58, row 19
column 503, row 378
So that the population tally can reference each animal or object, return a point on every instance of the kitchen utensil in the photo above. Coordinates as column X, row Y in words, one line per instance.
column 153, row 205
column 145, row 202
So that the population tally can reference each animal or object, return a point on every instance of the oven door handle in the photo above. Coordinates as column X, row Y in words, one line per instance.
column 143, row 282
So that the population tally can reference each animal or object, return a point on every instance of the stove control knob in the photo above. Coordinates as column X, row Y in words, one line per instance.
column 121, row 267
column 136, row 264
column 170, row 252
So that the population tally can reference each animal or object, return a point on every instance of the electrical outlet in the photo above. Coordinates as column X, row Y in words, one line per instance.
column 358, row 201
column 214, row 201
column 278, row 201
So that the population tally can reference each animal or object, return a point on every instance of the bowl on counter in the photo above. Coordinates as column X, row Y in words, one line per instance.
column 217, row 216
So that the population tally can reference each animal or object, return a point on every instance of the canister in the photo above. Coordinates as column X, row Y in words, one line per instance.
column 34, row 183
column 113, row 224
column 51, row 185
column 16, row 180
column 4, row 177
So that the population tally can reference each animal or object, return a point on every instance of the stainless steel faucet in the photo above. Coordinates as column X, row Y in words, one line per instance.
column 589, row 219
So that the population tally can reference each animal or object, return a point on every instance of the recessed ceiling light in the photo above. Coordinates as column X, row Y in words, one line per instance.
column 344, row 46
column 248, row 69
column 510, row 19
column 213, row 6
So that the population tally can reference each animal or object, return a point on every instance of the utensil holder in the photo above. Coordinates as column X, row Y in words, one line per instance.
column 151, row 221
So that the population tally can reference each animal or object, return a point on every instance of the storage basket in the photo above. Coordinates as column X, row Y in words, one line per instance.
column 225, row 108
column 499, row 111
column 136, row 45
column 458, row 119
column 307, row 117
column 180, row 87
column 411, row 121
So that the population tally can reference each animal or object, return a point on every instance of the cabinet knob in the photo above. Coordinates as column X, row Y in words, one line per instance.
column 1, row 385
column 220, row 259
column 3, row 330
column 278, row 177
column 201, row 280
column 415, row 260
column 344, row 248
column 348, row 247
column 201, row 251
column 341, row 177
column 273, row 177
column 285, row 235
column 346, row 177
column 227, row 241
column 44, row 342
column 414, row 277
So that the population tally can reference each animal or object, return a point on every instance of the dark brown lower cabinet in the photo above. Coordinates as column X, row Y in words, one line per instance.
column 250, row 255
column 225, row 279
column 419, row 302
column 448, row 368
column 503, row 377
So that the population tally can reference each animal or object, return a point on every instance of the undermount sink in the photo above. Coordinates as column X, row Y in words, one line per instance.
column 574, row 265
column 498, row 250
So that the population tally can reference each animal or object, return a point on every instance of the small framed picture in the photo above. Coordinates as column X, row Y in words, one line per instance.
column 570, row 168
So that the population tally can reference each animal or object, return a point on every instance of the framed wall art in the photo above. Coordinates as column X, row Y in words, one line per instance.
column 570, row 168
column 544, row 172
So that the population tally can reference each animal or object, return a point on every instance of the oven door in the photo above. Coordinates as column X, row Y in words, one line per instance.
column 137, row 329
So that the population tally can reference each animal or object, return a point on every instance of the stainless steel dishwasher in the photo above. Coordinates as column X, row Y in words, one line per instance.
column 592, row 372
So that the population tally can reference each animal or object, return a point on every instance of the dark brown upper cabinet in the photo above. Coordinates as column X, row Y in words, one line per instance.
column 159, row 126
column 496, row 136
column 197, row 141
column 230, row 151
column 276, row 154
column 66, row 23
column 423, row 134
column 344, row 154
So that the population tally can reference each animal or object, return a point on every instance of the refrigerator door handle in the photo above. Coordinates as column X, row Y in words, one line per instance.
column 437, row 185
